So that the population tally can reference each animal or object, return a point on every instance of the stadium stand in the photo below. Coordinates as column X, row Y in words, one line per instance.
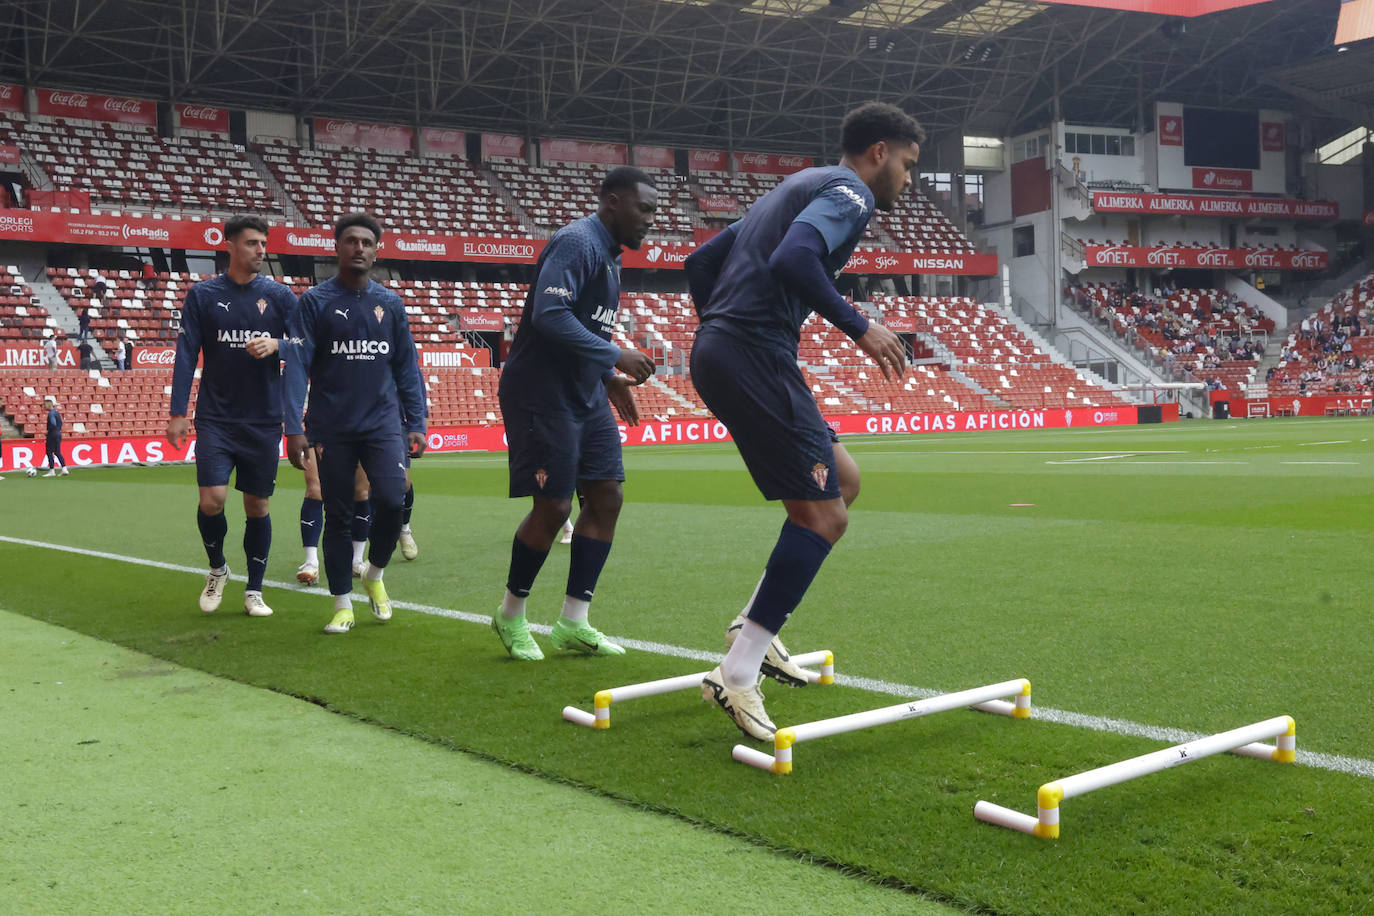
column 22, row 319
column 1330, row 351
column 554, row 194
column 439, row 195
column 134, row 168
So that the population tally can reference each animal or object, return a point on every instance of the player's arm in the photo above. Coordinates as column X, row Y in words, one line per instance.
column 295, row 380
column 405, row 368
column 184, row 369
column 703, row 266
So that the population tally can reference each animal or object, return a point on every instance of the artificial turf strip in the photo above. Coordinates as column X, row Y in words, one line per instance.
column 1221, row 835
column 141, row 786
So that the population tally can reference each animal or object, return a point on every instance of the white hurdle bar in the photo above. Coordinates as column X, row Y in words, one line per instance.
column 985, row 698
column 601, row 702
column 1244, row 740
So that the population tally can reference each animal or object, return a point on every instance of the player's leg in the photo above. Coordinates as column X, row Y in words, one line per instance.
column 542, row 461
column 214, row 462
column 362, row 520
column 600, row 475
column 336, row 463
column 312, row 523
column 383, row 460
column 409, row 549
column 256, row 460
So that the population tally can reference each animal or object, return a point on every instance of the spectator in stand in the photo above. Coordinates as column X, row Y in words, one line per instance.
column 121, row 353
column 50, row 352
column 101, row 288
column 84, row 325
column 149, row 276
column 84, row 355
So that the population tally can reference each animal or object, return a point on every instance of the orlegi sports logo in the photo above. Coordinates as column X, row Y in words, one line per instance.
column 360, row 348
column 22, row 225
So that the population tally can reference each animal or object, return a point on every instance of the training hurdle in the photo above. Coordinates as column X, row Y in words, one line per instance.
column 986, row 698
column 1244, row 740
column 601, row 702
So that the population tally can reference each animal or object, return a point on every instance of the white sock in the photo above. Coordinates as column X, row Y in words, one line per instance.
column 405, row 529
column 745, row 658
column 312, row 556
column 220, row 570
column 358, row 548
column 343, row 603
column 567, row 526
column 373, row 573
column 511, row 606
column 575, row 609
column 248, row 592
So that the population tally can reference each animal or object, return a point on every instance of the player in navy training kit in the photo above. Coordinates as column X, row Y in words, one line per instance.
column 359, row 359
column 554, row 394
column 53, row 445
column 754, row 285
column 235, row 321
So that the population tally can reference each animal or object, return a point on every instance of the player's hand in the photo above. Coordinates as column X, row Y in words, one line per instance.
column 178, row 431
column 620, row 391
column 417, row 444
column 296, row 449
column 885, row 349
column 636, row 364
column 259, row 347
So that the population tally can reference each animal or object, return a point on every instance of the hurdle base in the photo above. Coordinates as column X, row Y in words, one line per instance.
column 1005, row 817
column 579, row 716
column 754, row 758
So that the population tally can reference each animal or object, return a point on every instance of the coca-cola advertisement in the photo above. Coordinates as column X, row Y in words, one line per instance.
column 88, row 106
column 154, row 357
column 503, row 146
column 583, row 151
column 203, row 117
column 654, row 157
column 770, row 163
column 443, row 141
column 1170, row 130
column 11, row 98
column 707, row 160
column 1271, row 136
column 9, row 154
column 1198, row 205
column 1223, row 179
column 718, row 203
column 1164, row 258
column 358, row 135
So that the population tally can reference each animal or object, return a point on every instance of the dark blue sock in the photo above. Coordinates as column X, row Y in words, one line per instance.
column 213, row 528
column 362, row 519
column 312, row 521
column 408, row 505
column 257, row 541
column 525, row 563
column 796, row 559
column 588, row 557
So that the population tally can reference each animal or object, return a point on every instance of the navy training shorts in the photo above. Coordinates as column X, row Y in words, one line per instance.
column 250, row 450
column 548, row 453
column 760, row 395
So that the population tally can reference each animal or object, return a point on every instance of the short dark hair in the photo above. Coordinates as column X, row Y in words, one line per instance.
column 873, row 122
column 237, row 224
column 366, row 220
column 624, row 178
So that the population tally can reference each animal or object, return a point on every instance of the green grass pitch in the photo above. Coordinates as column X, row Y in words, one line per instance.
column 1194, row 576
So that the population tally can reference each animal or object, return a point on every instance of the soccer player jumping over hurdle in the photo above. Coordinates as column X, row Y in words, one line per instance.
column 235, row 320
column 359, row 358
column 562, row 434
column 753, row 286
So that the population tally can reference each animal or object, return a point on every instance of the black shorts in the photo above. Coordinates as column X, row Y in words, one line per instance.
column 760, row 395
column 550, row 452
column 250, row 450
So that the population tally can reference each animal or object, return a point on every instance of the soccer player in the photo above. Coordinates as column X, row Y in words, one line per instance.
column 53, row 445
column 359, row 361
column 554, row 395
column 234, row 321
column 753, row 286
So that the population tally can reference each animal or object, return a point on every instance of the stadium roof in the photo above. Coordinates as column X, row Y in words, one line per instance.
column 767, row 74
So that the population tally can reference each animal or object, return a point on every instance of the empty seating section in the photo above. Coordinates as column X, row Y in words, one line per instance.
column 915, row 224
column 150, row 318
column 1332, row 351
column 995, row 354
column 134, row 169
column 22, row 319
column 445, row 195
column 556, row 193
column 91, row 404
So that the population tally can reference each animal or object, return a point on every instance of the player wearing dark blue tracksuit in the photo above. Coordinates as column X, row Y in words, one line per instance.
column 235, row 323
column 53, row 444
column 561, row 433
column 754, row 285
column 358, row 358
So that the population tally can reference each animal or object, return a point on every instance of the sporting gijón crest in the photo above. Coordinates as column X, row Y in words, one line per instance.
column 820, row 473
column 541, row 477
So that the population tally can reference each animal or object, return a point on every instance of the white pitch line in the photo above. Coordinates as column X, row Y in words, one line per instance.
column 1332, row 442
column 1319, row 462
column 1337, row 763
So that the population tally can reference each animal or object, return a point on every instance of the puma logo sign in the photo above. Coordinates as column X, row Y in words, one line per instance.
column 342, row 313
column 223, row 305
